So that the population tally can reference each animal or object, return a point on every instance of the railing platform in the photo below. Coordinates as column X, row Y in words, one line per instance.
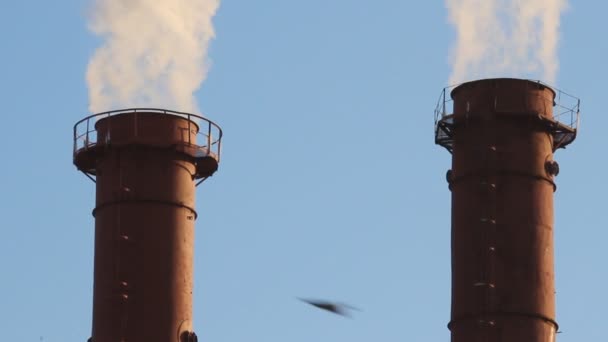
column 563, row 125
column 201, row 140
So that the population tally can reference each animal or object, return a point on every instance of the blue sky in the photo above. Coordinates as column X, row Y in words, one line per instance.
column 330, row 184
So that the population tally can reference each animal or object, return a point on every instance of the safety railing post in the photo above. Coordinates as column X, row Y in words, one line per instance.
column 209, row 137
column 578, row 111
column 86, row 139
column 75, row 134
column 443, row 114
column 219, row 147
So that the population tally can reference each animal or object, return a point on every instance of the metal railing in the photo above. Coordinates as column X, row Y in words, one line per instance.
column 566, row 107
column 206, row 131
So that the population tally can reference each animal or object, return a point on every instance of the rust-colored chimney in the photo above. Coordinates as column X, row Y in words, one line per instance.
column 146, row 163
column 502, row 136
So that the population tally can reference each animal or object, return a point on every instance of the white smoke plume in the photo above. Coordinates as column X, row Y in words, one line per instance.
column 505, row 38
column 154, row 53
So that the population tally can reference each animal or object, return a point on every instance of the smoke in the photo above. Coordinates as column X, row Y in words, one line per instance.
column 154, row 53
column 505, row 38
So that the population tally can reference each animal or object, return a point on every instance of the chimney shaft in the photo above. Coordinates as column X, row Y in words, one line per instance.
column 502, row 135
column 145, row 164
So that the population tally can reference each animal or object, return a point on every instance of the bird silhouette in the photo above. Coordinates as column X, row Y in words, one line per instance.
column 333, row 307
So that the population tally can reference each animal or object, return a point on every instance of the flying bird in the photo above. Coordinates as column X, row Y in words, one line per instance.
column 333, row 307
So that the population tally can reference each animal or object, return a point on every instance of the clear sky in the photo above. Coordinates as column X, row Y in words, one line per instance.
column 330, row 184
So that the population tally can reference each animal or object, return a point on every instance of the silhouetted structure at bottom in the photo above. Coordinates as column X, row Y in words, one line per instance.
column 502, row 135
column 146, row 164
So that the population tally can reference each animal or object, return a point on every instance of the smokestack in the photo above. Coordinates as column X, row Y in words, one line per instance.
column 146, row 164
column 502, row 135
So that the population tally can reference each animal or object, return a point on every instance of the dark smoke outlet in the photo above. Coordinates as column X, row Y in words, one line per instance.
column 449, row 176
column 552, row 167
column 189, row 336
